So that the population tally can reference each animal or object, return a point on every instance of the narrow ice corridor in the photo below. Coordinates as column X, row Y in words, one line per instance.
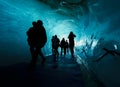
column 97, row 42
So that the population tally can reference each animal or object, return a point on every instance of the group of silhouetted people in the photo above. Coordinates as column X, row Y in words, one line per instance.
column 55, row 44
column 63, row 44
column 37, row 39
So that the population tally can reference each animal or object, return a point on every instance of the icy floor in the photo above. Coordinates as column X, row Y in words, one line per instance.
column 62, row 76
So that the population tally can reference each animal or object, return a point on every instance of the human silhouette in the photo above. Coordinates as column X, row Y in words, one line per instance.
column 63, row 46
column 52, row 41
column 31, row 36
column 36, row 39
column 67, row 46
column 56, row 44
column 71, row 43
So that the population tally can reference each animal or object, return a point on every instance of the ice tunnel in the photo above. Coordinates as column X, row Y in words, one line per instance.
column 95, row 23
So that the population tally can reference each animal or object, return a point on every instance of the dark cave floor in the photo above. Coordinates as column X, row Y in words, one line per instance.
column 67, row 74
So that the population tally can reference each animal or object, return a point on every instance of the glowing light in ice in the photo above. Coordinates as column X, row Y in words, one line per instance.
column 115, row 46
column 94, row 43
column 80, row 43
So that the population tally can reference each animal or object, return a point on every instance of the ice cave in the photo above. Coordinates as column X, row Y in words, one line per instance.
column 96, row 24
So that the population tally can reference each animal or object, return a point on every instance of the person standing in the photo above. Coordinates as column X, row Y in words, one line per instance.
column 67, row 46
column 71, row 43
column 63, row 47
column 52, row 41
column 56, row 44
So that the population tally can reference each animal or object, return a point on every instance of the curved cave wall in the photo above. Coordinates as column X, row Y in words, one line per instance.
column 95, row 23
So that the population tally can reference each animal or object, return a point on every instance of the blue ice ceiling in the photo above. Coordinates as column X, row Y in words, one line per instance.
column 97, row 18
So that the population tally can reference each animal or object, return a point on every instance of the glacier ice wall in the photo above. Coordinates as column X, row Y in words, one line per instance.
column 91, row 18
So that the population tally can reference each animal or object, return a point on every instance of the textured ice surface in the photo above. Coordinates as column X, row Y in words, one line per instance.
column 100, row 21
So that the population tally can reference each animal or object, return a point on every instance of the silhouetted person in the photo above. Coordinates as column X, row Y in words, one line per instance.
column 56, row 44
column 71, row 42
column 52, row 40
column 31, row 37
column 67, row 46
column 63, row 46
column 37, row 36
